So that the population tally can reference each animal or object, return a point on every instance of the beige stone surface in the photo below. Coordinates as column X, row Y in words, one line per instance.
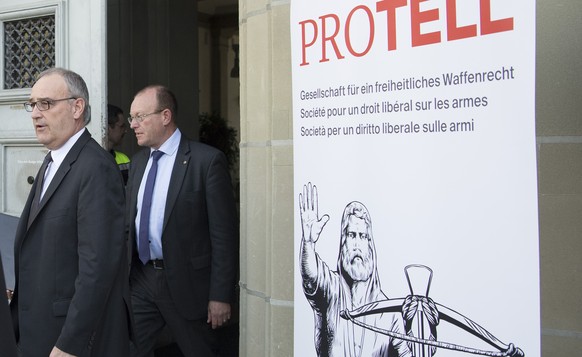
column 556, row 346
column 561, row 261
column 282, row 322
column 282, row 89
column 254, row 329
column 282, row 124
column 254, row 237
column 283, row 256
column 243, row 78
column 258, row 85
column 559, row 69
column 560, row 168
column 254, row 6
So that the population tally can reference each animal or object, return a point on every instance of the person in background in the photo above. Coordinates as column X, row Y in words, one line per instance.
column 71, row 295
column 182, row 231
column 117, row 127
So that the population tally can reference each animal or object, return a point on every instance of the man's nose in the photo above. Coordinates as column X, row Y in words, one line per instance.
column 36, row 113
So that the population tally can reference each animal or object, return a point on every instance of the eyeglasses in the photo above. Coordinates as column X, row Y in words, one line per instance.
column 44, row 104
column 140, row 118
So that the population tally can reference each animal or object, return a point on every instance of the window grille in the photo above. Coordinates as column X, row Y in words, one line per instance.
column 29, row 48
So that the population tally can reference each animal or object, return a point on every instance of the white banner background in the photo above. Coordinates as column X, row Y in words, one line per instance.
column 463, row 203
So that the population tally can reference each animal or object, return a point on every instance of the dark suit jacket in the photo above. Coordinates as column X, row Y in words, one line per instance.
column 200, row 234
column 7, row 342
column 71, row 263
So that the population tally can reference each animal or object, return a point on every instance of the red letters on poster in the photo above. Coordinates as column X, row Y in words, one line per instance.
column 326, row 33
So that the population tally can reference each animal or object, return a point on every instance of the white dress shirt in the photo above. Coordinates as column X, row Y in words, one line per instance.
column 160, row 193
column 58, row 157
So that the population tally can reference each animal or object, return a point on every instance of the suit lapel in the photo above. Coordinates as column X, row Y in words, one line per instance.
column 138, row 164
column 28, row 206
column 178, row 174
column 23, row 223
column 65, row 167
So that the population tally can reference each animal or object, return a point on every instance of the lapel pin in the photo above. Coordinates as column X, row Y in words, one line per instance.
column 184, row 163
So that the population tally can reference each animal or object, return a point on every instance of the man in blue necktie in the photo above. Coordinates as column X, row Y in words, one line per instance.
column 183, row 231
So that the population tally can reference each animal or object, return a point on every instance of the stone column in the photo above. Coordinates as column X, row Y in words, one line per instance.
column 559, row 139
column 266, row 180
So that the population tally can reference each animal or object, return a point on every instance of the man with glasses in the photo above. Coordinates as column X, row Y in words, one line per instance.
column 182, row 229
column 71, row 294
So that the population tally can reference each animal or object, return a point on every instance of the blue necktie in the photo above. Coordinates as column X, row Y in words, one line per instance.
column 143, row 244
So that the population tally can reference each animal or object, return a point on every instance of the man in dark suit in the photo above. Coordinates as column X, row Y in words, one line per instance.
column 182, row 230
column 7, row 342
column 71, row 294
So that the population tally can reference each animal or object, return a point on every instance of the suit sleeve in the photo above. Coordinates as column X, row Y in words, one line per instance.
column 222, row 219
column 7, row 341
column 100, row 247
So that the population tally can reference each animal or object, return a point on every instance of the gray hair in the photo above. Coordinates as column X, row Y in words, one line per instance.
column 76, row 85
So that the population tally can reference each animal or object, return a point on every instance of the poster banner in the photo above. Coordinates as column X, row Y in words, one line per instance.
column 415, row 182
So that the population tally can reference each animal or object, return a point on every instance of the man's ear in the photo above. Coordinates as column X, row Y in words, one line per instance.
column 166, row 116
column 78, row 108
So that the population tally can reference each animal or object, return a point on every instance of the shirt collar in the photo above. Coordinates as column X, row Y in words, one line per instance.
column 170, row 146
column 59, row 154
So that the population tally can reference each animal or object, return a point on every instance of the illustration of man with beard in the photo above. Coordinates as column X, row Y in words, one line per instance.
column 353, row 284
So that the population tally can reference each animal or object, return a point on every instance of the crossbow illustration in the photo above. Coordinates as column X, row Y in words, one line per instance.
column 421, row 316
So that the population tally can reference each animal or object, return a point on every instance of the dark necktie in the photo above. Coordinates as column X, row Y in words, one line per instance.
column 38, row 191
column 143, row 244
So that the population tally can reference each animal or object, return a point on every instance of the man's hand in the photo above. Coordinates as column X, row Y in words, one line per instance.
column 311, row 224
column 218, row 313
column 58, row 353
